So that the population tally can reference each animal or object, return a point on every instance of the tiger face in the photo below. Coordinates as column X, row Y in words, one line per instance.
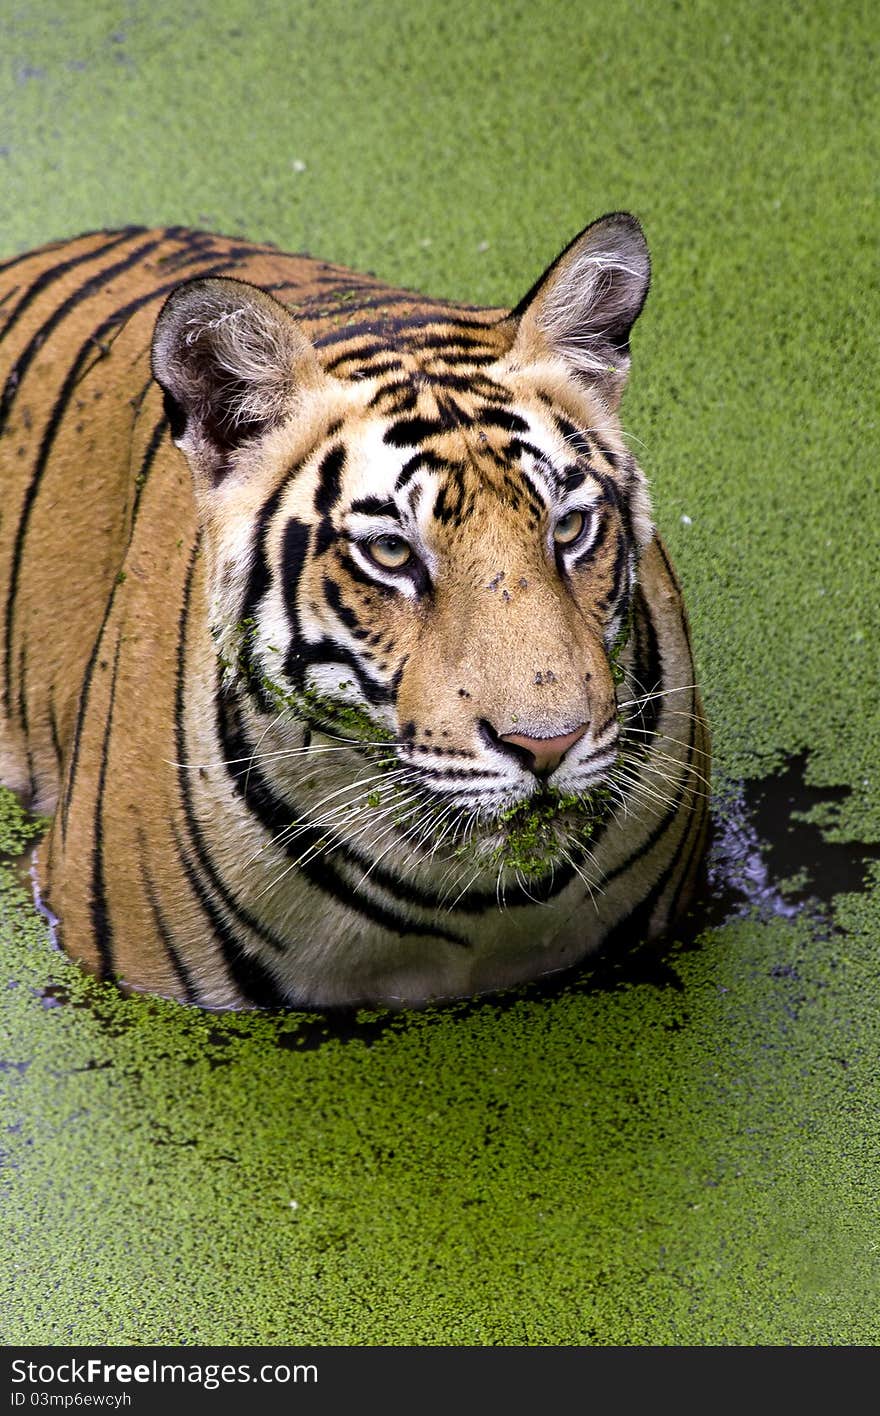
column 422, row 552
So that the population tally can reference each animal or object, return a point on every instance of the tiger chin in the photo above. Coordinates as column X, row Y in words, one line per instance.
column 337, row 637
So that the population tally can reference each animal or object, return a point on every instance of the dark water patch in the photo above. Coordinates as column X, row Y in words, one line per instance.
column 344, row 1024
column 766, row 861
column 106, row 1012
column 55, row 995
column 795, row 850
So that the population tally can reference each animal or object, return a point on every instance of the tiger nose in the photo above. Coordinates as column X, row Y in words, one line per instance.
column 545, row 753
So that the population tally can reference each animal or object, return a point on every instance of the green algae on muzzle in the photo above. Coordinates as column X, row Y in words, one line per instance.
column 537, row 833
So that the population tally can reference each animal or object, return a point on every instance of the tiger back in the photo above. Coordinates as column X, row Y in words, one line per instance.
column 376, row 687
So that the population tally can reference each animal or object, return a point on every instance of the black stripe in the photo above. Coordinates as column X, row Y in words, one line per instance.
column 517, row 446
column 465, row 357
column 647, row 663
column 23, row 714
column 325, row 536
column 343, row 612
column 697, row 847
column 621, row 561
column 647, row 666
column 329, row 479
column 85, row 692
column 330, row 651
column 664, row 824
column 83, row 292
column 638, row 922
column 102, row 929
column 660, row 830
column 476, row 383
column 452, row 414
column 343, row 335
column 294, row 551
column 260, row 578
column 567, row 430
column 415, row 463
column 437, row 337
column 48, row 277
column 22, row 698
column 362, row 352
column 255, row 984
column 65, row 241
column 429, row 320
column 536, row 497
column 503, row 418
column 409, row 432
column 449, row 502
column 460, row 317
column 609, row 455
column 147, row 461
column 375, row 506
column 425, row 331
column 665, row 559
column 685, row 624
column 455, row 774
column 182, row 260
column 163, row 929
column 39, row 251
column 315, row 307
column 137, row 399
column 397, row 397
column 609, row 486
column 53, row 732
column 372, row 368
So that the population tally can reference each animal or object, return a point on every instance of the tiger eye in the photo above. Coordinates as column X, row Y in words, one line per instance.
column 568, row 528
column 391, row 552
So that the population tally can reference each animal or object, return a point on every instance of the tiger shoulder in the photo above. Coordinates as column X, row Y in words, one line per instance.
column 336, row 637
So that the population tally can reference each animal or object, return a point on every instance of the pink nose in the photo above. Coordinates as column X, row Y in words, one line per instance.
column 546, row 753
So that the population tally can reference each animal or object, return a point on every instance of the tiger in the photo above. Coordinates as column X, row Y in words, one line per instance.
column 338, row 641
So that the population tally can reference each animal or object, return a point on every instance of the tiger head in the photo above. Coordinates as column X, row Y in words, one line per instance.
column 422, row 541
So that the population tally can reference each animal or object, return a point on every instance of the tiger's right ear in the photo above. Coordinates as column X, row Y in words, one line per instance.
column 232, row 364
column 583, row 307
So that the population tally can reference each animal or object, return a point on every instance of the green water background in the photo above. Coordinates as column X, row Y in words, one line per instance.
column 694, row 1162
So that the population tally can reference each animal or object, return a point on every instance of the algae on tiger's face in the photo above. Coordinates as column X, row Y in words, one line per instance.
column 536, row 834
column 243, row 671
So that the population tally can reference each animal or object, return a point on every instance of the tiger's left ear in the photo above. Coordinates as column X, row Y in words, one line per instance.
column 233, row 364
column 583, row 307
